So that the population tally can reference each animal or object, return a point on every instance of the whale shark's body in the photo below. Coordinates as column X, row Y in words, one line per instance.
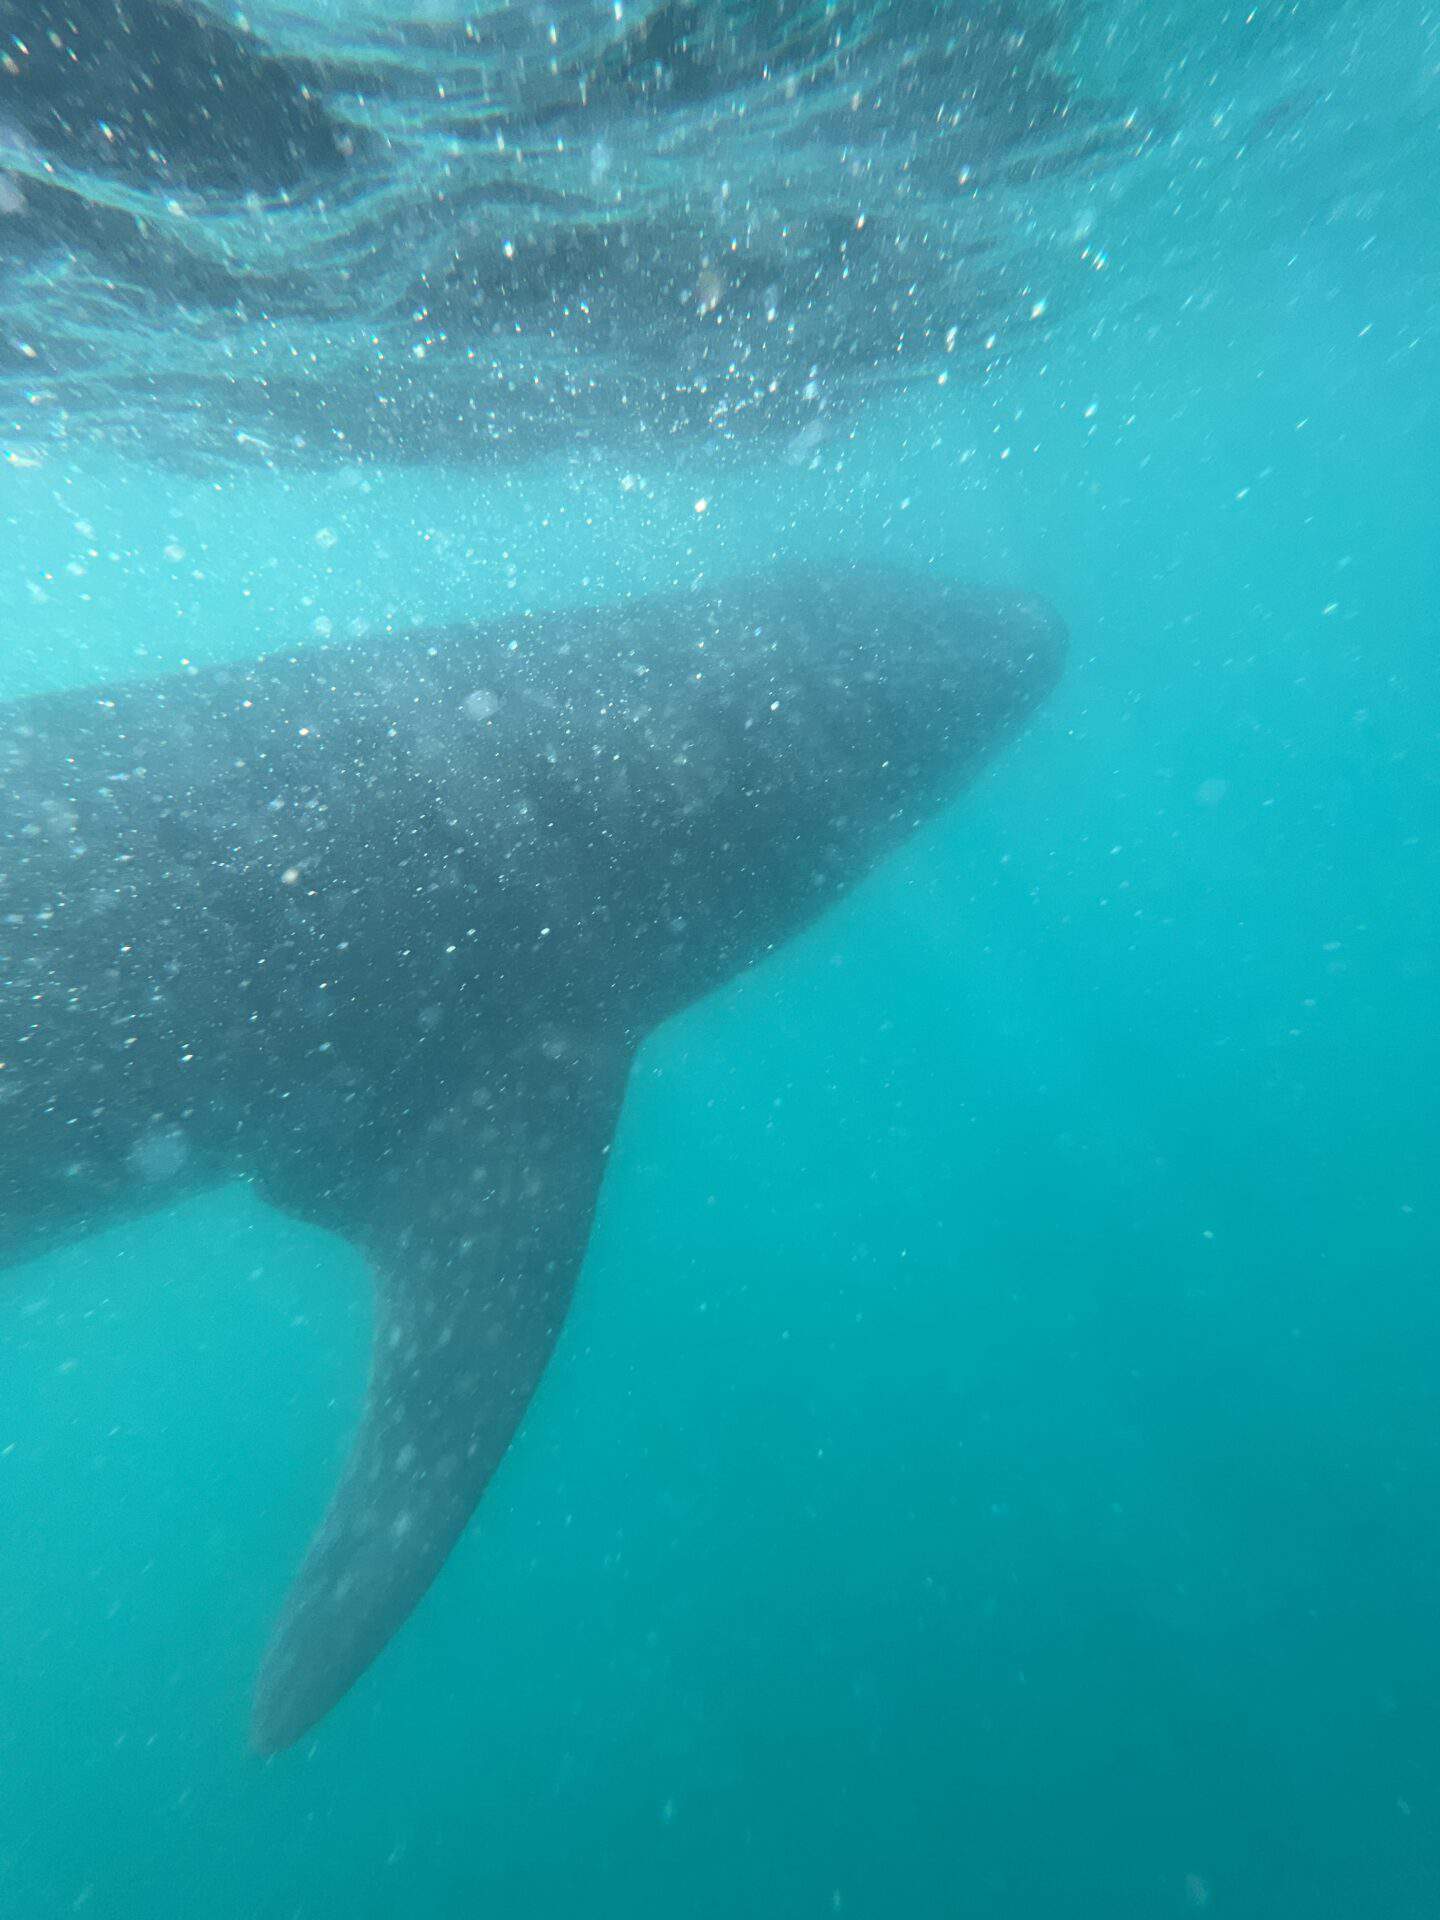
column 381, row 929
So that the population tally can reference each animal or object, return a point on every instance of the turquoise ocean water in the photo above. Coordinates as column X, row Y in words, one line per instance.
column 992, row 1467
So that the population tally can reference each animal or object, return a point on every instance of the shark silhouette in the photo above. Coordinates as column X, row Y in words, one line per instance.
column 381, row 927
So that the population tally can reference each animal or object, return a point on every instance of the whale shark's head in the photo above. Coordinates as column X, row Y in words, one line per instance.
column 893, row 687
column 745, row 753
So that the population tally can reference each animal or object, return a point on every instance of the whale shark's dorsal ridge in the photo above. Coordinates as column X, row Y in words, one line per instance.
column 381, row 930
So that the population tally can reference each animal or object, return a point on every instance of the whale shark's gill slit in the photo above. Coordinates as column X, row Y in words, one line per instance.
column 476, row 1232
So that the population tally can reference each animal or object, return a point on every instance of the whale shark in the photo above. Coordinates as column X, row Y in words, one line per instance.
column 379, row 927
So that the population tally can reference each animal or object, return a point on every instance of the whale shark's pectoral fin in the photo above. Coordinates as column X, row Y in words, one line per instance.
column 476, row 1230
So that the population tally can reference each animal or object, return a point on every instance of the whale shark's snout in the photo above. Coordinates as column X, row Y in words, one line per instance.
column 1039, row 641
column 995, row 655
column 382, row 929
column 911, row 681
column 1007, row 653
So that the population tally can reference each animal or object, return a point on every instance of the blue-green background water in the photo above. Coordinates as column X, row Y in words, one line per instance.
column 993, row 1463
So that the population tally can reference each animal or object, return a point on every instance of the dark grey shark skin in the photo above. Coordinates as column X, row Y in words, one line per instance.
column 381, row 928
